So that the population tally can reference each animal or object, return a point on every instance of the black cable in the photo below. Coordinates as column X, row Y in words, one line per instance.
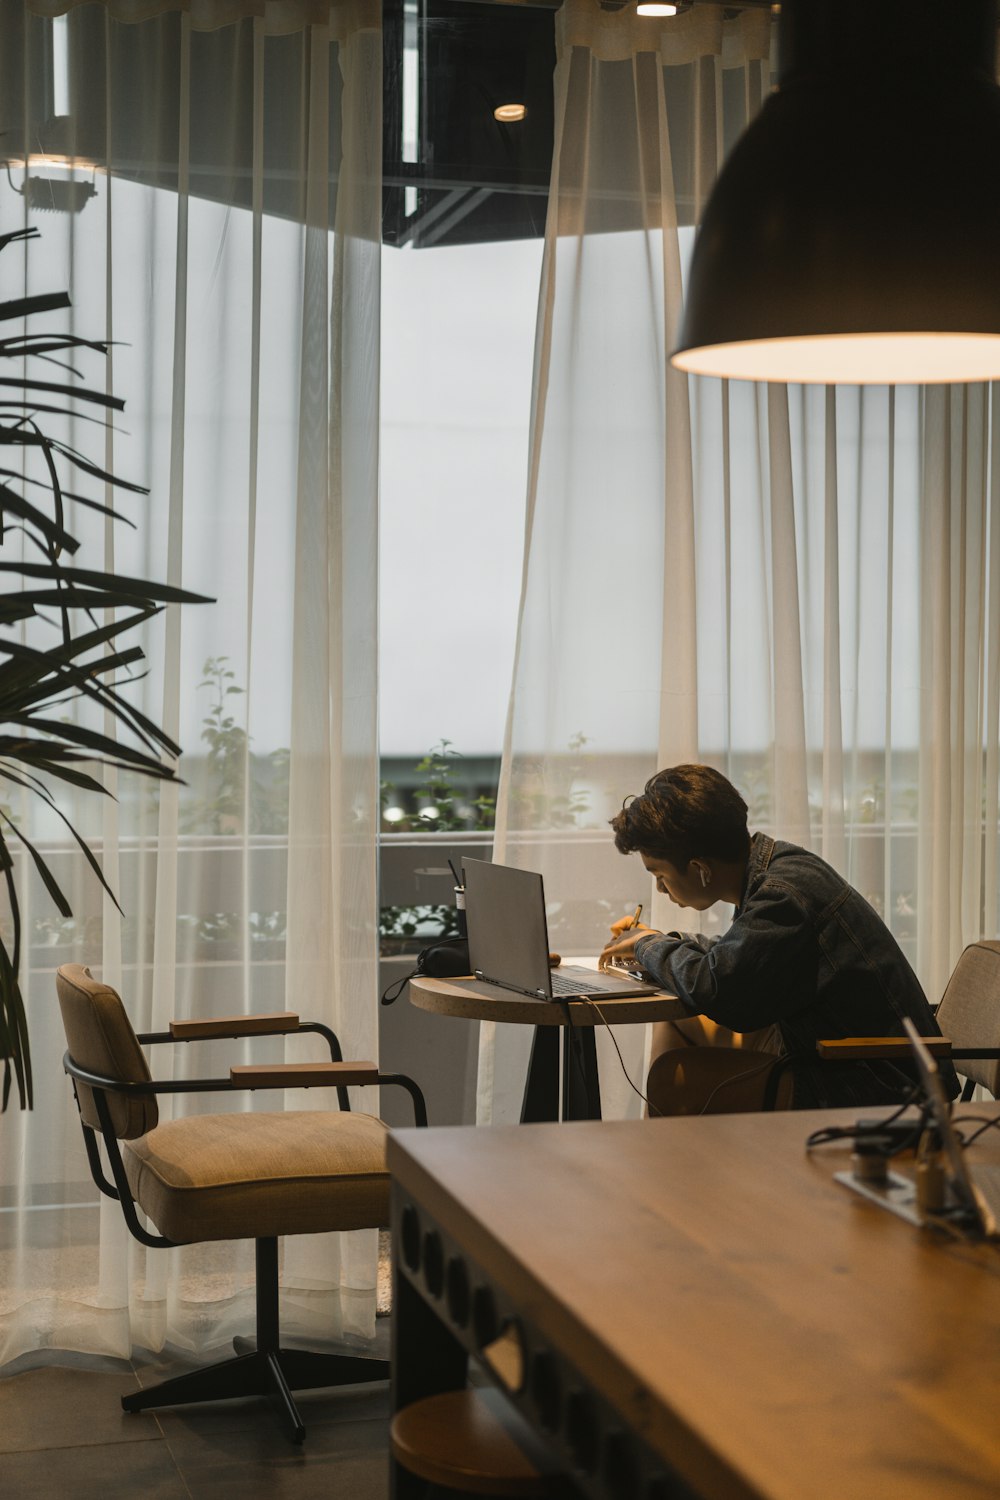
column 614, row 1040
column 574, row 1055
column 768, row 1062
column 853, row 1132
column 818, row 1137
column 748, row 1073
column 983, row 1123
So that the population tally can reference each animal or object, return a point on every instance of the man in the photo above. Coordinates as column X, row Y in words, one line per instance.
column 805, row 954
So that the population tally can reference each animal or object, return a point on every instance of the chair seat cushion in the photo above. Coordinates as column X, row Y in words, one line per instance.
column 251, row 1176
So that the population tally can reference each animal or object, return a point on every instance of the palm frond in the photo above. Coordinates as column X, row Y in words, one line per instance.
column 117, row 586
column 61, row 388
column 80, row 499
column 23, row 437
column 48, row 879
column 13, row 504
column 88, row 663
column 24, row 307
column 29, row 677
column 13, row 1020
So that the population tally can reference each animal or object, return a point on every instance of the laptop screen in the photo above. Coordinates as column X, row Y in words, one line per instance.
column 505, row 915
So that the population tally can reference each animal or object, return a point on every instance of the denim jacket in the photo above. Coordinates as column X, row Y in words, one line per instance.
column 806, row 952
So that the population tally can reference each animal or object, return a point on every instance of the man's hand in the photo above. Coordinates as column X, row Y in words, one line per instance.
column 620, row 952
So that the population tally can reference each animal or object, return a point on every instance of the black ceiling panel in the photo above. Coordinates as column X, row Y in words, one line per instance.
column 448, row 65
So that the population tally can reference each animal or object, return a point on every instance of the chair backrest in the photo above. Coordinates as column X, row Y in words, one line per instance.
column 100, row 1039
column 969, row 1013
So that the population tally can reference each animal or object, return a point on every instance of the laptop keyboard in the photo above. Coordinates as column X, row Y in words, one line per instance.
column 561, row 986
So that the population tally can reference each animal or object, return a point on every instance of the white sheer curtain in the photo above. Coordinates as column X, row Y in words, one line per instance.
column 799, row 586
column 231, row 253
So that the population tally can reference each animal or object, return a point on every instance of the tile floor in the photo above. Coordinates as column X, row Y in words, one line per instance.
column 63, row 1436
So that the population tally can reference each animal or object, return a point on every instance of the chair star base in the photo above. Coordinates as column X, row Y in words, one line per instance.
column 263, row 1367
column 262, row 1372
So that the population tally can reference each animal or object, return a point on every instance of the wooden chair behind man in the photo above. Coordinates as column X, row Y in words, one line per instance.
column 725, row 1080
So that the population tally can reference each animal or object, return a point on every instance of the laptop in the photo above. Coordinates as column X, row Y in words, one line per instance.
column 975, row 1190
column 509, row 940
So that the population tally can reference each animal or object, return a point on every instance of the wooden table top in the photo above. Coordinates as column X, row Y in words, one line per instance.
column 475, row 1001
column 766, row 1331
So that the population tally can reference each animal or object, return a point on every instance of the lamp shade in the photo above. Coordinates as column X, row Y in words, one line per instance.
column 854, row 232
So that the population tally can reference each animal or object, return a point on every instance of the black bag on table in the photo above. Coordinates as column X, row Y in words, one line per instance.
column 447, row 959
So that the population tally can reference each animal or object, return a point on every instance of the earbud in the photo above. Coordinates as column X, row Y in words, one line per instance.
column 705, row 876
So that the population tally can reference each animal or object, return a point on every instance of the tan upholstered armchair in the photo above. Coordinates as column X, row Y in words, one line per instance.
column 229, row 1176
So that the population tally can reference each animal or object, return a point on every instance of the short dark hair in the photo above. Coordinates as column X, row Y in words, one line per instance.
column 684, row 812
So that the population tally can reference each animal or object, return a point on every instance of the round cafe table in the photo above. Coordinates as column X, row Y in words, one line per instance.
column 472, row 1000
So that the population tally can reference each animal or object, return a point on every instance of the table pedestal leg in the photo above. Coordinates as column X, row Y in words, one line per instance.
column 581, row 1092
column 541, row 1088
column 581, row 1089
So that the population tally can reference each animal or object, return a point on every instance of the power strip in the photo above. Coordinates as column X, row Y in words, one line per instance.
column 898, row 1194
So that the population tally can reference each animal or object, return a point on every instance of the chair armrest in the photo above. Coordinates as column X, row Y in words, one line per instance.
column 146, row 1086
column 302, row 1075
column 339, row 1075
column 272, row 1023
column 849, row 1048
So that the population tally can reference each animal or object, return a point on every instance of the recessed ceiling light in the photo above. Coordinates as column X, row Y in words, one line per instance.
column 509, row 112
column 656, row 8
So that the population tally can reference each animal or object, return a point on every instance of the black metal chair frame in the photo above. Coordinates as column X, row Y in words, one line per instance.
column 262, row 1366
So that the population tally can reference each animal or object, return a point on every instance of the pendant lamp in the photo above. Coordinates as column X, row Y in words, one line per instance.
column 853, row 234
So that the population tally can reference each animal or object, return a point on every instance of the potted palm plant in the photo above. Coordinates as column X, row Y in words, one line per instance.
column 63, row 660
